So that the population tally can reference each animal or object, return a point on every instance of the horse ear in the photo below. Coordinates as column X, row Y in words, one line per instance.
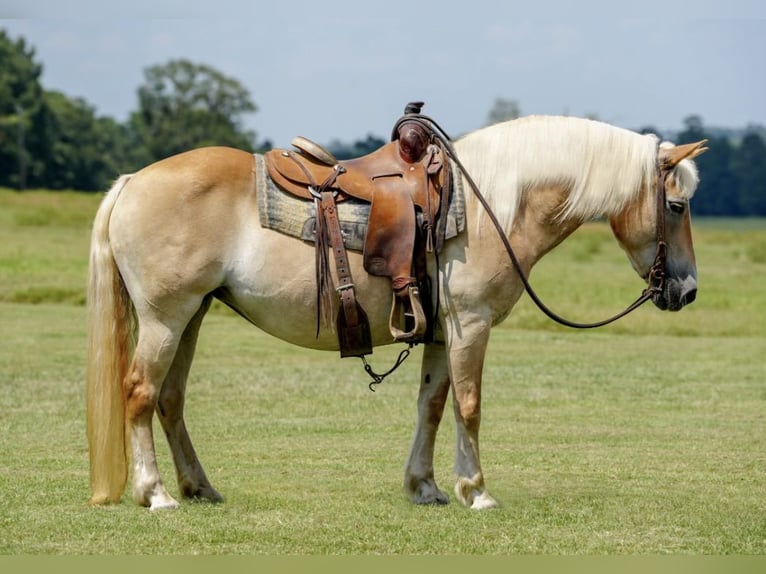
column 671, row 157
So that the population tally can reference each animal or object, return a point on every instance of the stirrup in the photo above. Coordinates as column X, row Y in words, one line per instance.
column 401, row 314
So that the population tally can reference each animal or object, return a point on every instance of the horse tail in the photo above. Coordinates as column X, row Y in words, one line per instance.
column 110, row 320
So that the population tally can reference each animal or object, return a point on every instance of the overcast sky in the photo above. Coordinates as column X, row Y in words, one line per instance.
column 342, row 69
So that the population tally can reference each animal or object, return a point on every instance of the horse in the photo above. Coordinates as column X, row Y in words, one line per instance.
column 170, row 238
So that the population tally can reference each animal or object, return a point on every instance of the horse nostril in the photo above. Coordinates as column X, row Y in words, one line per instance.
column 689, row 297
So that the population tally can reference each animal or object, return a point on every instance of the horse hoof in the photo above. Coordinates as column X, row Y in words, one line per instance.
column 167, row 504
column 438, row 499
column 483, row 501
column 213, row 496
column 205, row 494
column 429, row 494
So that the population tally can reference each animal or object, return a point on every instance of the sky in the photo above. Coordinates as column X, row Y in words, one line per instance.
column 340, row 70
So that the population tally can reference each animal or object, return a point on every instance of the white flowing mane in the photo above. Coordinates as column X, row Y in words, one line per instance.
column 603, row 166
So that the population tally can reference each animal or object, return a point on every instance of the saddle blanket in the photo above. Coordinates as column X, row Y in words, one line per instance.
column 296, row 217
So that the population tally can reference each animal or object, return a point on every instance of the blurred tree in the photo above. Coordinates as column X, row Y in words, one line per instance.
column 87, row 153
column 20, row 114
column 651, row 130
column 503, row 109
column 693, row 130
column 183, row 105
column 749, row 164
column 357, row 149
column 718, row 189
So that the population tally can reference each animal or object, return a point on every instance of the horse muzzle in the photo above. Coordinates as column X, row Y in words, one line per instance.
column 677, row 294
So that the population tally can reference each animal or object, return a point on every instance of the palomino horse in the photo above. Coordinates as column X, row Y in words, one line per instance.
column 182, row 231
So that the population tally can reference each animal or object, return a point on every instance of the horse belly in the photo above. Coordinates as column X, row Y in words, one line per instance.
column 273, row 284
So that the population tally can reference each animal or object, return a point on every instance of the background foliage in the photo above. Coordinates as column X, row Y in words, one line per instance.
column 49, row 140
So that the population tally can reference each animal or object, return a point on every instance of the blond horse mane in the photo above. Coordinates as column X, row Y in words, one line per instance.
column 602, row 166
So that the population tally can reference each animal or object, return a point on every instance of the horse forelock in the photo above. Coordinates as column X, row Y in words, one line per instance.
column 603, row 167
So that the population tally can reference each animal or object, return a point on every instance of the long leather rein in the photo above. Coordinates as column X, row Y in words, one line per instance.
column 656, row 277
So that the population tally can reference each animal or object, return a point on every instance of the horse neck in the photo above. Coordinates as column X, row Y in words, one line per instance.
column 533, row 224
column 541, row 188
column 538, row 226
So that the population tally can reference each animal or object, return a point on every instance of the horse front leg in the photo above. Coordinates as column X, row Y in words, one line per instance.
column 466, row 360
column 419, row 482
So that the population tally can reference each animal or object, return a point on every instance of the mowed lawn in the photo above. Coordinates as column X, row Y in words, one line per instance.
column 645, row 437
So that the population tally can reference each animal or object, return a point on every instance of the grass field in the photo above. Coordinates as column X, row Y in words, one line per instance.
column 645, row 437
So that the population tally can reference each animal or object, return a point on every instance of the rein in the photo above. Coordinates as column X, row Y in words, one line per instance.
column 656, row 273
column 656, row 278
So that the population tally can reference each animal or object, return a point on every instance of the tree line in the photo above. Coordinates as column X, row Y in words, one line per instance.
column 50, row 140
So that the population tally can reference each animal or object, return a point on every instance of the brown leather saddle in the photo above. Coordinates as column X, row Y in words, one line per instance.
column 407, row 183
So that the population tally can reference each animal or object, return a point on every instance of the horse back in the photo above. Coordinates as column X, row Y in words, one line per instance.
column 199, row 171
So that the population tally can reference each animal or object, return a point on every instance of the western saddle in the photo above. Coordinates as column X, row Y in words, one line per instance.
column 407, row 183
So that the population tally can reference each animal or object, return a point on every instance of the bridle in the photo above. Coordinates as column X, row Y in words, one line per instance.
column 656, row 276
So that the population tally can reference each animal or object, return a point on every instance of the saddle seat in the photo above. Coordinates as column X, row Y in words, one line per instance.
column 298, row 172
column 404, row 183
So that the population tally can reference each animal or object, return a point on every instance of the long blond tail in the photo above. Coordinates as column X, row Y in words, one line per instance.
column 110, row 329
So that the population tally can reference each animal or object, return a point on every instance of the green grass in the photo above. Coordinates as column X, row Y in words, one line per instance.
column 645, row 437
column 43, row 245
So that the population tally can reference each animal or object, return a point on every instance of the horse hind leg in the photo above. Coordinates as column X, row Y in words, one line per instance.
column 158, row 341
column 192, row 481
column 419, row 481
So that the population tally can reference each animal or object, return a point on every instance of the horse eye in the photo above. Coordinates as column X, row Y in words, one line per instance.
column 677, row 207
